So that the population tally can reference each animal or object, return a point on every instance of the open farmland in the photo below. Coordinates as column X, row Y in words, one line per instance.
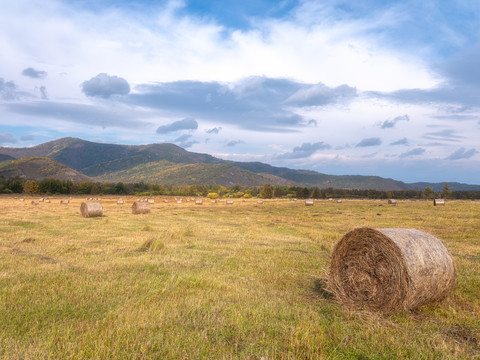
column 218, row 281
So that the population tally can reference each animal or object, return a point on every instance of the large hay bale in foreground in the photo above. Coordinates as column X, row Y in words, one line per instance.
column 140, row 207
column 390, row 270
column 91, row 209
column 439, row 202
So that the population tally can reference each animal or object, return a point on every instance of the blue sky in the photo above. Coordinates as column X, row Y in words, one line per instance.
column 387, row 88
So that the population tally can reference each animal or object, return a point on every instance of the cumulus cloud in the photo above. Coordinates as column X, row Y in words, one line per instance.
column 104, row 86
column 34, row 74
column 321, row 95
column 255, row 103
column 391, row 123
column 403, row 141
column 182, row 141
column 413, row 152
column 185, row 124
column 305, row 150
column 77, row 113
column 234, row 142
column 373, row 141
column 462, row 154
column 27, row 138
column 444, row 135
column 7, row 138
column 8, row 90
column 215, row 130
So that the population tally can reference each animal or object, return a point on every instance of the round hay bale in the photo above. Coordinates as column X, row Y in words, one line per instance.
column 198, row 202
column 259, row 201
column 229, row 202
column 91, row 209
column 439, row 202
column 165, row 201
column 120, row 202
column 309, row 202
column 179, row 201
column 390, row 270
column 392, row 202
column 339, row 200
column 64, row 202
column 47, row 201
column 213, row 201
column 35, row 202
column 140, row 207
column 151, row 201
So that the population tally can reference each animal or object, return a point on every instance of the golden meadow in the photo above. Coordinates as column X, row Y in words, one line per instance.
column 218, row 281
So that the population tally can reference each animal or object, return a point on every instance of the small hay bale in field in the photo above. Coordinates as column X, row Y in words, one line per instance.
column 198, row 202
column 120, row 202
column 165, row 201
column 64, row 202
column 392, row 201
column 47, row 201
column 339, row 201
column 140, row 207
column 259, row 201
column 22, row 199
column 439, row 202
column 151, row 201
column 41, row 200
column 91, row 209
column 179, row 201
column 35, row 202
column 229, row 202
column 309, row 202
column 214, row 201
column 390, row 270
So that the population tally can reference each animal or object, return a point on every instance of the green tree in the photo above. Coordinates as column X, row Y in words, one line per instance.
column 266, row 192
column 31, row 187
column 428, row 192
column 446, row 191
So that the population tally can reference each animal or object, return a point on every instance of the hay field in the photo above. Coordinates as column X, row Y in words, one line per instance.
column 243, row 281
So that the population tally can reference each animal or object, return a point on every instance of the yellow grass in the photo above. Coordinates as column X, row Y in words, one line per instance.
column 243, row 281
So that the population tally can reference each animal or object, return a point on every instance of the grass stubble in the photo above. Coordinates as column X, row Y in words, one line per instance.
column 244, row 281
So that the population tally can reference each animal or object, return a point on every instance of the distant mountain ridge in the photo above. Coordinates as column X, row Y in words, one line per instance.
column 170, row 164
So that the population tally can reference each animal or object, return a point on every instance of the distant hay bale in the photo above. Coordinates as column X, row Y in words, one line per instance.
column 214, row 201
column 229, row 202
column 47, row 201
column 259, row 201
column 244, row 200
column 35, row 202
column 339, row 201
column 309, row 202
column 140, row 207
column 22, row 199
column 439, row 202
column 64, row 202
column 120, row 202
column 179, row 201
column 392, row 201
column 390, row 270
column 41, row 200
column 151, row 201
column 91, row 209
column 165, row 200
column 198, row 202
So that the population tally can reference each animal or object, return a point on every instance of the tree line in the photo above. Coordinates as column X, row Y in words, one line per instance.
column 18, row 185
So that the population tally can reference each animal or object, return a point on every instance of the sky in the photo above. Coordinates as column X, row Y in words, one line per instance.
column 343, row 87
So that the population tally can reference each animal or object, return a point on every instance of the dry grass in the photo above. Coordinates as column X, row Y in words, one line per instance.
column 219, row 282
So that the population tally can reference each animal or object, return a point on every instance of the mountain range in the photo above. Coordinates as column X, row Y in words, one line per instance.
column 169, row 164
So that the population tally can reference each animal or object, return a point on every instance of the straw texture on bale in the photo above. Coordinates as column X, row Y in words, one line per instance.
column 140, row 207
column 91, row 209
column 438, row 202
column 309, row 202
column 390, row 270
